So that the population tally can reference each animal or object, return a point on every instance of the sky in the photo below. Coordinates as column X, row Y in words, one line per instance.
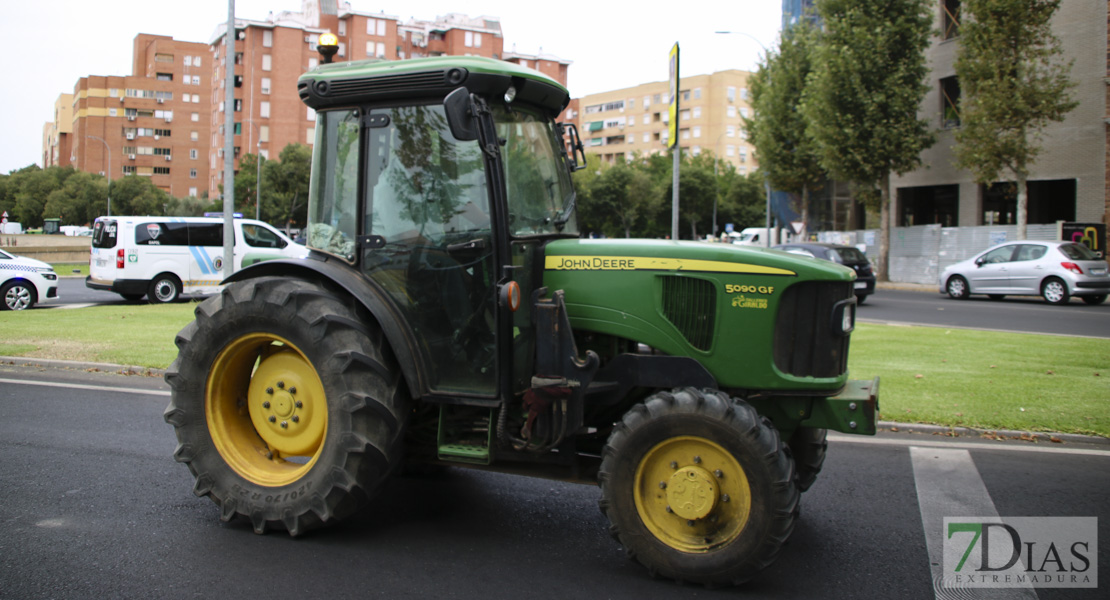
column 611, row 45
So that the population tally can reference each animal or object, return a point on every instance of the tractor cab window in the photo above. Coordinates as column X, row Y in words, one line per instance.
column 540, row 193
column 427, row 210
column 333, row 188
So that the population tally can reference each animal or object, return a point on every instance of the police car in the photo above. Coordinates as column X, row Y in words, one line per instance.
column 25, row 281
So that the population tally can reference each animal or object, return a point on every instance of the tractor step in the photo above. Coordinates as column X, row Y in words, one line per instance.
column 464, row 434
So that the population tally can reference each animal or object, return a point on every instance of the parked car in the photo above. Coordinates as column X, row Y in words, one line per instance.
column 25, row 281
column 848, row 256
column 1056, row 271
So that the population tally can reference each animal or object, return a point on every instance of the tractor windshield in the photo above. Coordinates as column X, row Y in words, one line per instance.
column 540, row 194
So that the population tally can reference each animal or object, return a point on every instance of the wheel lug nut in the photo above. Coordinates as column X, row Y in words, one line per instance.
column 281, row 385
column 674, row 465
column 273, row 418
column 697, row 460
column 284, row 424
column 292, row 390
column 298, row 404
column 719, row 473
column 662, row 485
column 266, row 404
column 270, row 390
column 690, row 523
column 669, row 509
column 296, row 419
column 725, row 498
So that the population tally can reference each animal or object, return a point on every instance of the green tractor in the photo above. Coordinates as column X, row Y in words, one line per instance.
column 450, row 315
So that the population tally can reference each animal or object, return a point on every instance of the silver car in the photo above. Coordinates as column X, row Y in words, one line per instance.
column 1056, row 271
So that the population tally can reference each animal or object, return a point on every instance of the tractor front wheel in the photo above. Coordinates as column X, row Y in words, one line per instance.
column 286, row 403
column 698, row 487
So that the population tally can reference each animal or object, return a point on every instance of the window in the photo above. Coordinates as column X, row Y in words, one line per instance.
column 238, row 106
column 311, row 113
column 647, row 101
column 188, row 61
column 193, row 154
column 163, row 57
column 193, row 172
column 375, row 27
column 266, row 62
column 238, row 128
column 196, row 97
column 697, row 132
column 196, row 81
column 264, row 110
column 164, row 76
column 744, row 113
column 185, row 97
column 267, row 39
column 196, row 61
column 731, row 131
column 685, row 95
column 744, row 94
column 731, row 112
column 950, row 102
column 193, row 192
column 195, row 117
column 950, row 18
column 697, row 93
column 265, row 85
column 632, row 120
column 312, row 62
column 342, row 49
column 730, row 150
column 161, row 170
column 647, row 137
column 310, row 136
column 264, row 133
column 193, row 136
column 731, row 93
column 697, row 112
column 343, row 27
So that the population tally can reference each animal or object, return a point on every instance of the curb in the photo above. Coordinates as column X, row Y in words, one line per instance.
column 890, row 426
column 82, row 366
column 1009, row 434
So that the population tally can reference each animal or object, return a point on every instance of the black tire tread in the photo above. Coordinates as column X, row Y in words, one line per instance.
column 365, row 397
column 809, row 445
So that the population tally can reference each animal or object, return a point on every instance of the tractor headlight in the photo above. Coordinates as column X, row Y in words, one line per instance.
column 844, row 317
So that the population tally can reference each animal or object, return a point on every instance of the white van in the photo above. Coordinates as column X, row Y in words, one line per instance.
column 164, row 257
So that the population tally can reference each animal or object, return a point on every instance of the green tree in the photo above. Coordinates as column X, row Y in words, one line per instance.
column 1012, row 84
column 864, row 92
column 697, row 189
column 744, row 202
column 787, row 153
column 80, row 200
column 137, row 195
column 285, row 186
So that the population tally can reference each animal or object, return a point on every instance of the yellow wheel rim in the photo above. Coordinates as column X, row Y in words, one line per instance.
column 692, row 494
column 266, row 410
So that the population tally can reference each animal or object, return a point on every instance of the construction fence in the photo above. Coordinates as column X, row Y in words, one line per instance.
column 919, row 254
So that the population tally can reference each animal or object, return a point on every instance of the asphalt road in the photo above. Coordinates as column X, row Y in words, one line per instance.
column 1014, row 313
column 924, row 307
column 93, row 505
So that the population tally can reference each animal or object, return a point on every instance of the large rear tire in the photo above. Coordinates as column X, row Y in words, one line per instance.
column 287, row 404
column 698, row 487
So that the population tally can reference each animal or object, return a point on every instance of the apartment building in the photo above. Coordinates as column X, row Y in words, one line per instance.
column 1069, row 180
column 150, row 123
column 621, row 123
column 58, row 134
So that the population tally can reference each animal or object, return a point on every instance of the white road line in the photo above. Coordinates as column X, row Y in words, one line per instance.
column 78, row 386
column 949, row 485
column 1054, row 449
column 69, row 306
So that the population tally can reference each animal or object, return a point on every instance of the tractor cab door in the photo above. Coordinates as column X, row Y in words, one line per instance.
column 429, row 242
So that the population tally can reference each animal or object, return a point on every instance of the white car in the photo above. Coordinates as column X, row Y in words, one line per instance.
column 1056, row 271
column 25, row 281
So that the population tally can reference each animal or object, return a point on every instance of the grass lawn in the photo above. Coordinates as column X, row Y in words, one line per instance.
column 66, row 269
column 986, row 379
column 953, row 377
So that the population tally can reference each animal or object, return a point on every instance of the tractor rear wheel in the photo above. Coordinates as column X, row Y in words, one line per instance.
column 698, row 487
column 287, row 404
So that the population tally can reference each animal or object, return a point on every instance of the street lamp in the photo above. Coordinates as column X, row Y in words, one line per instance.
column 766, row 181
column 716, row 160
column 258, row 174
column 109, row 170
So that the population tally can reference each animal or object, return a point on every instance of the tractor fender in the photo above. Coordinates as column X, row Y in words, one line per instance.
column 332, row 271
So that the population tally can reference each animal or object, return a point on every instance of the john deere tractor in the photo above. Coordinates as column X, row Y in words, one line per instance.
column 449, row 314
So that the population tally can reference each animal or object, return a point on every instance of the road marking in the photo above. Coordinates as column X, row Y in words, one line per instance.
column 81, row 305
column 949, row 485
column 78, row 386
column 969, row 328
column 857, row 439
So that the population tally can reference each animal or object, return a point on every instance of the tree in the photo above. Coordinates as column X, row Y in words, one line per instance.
column 137, row 195
column 744, row 202
column 864, row 92
column 285, row 186
column 787, row 153
column 1012, row 84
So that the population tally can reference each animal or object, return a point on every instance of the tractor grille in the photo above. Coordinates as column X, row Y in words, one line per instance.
column 690, row 304
column 806, row 344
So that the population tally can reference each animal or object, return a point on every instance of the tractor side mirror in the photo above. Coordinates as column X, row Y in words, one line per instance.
column 460, row 115
column 569, row 132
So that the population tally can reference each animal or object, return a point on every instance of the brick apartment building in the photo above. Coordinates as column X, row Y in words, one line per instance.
column 151, row 123
column 622, row 123
column 271, row 54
